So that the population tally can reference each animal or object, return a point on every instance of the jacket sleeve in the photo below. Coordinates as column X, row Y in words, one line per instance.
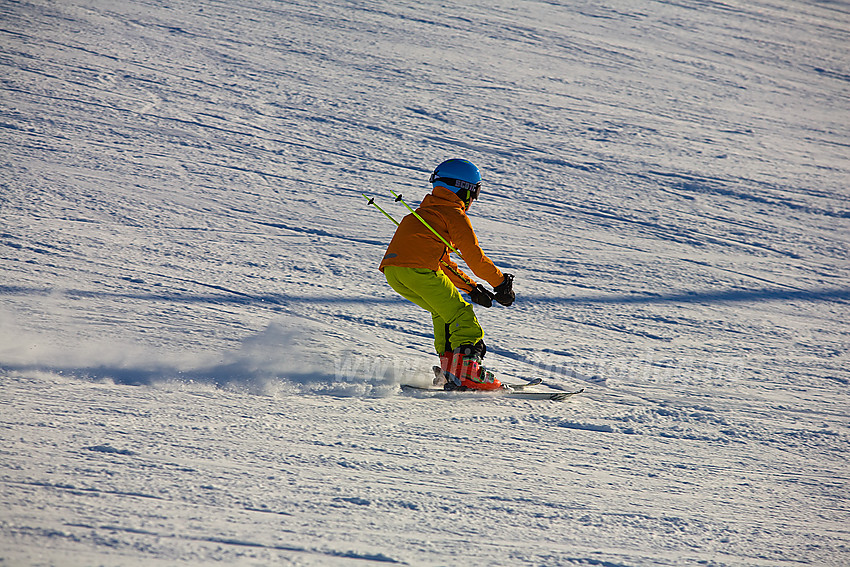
column 465, row 240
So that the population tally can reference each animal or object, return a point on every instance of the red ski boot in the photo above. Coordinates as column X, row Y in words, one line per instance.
column 463, row 371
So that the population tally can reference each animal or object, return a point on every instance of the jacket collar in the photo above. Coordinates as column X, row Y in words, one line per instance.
column 441, row 196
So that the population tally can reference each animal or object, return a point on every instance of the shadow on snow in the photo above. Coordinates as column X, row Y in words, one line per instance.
column 282, row 299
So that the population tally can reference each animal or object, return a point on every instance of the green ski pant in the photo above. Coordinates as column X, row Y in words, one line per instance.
column 454, row 320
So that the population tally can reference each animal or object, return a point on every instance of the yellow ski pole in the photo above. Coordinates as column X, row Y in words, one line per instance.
column 377, row 206
column 428, row 226
column 372, row 202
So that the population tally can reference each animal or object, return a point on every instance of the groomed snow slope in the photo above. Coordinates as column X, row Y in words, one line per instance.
column 200, row 363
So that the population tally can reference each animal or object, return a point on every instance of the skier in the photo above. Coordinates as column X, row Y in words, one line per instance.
column 417, row 266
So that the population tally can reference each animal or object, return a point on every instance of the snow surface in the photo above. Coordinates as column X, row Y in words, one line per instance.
column 200, row 362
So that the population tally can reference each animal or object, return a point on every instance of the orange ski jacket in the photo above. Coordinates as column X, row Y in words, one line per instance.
column 414, row 246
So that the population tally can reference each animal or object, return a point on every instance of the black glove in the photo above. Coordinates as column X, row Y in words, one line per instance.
column 481, row 296
column 505, row 291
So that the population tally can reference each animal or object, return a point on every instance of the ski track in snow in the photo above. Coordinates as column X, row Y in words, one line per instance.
column 200, row 362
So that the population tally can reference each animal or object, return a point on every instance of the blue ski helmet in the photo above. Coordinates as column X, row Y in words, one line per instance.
column 459, row 176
